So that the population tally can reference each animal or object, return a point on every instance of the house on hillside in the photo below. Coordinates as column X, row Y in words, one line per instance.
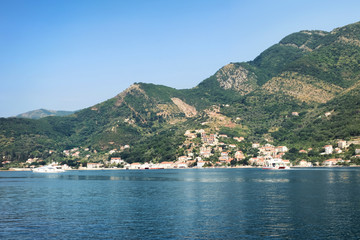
column 166, row 165
column 341, row 144
column 135, row 165
column 282, row 149
column 328, row 149
column 113, row 151
column 189, row 134
column 205, row 152
column 258, row 161
column 337, row 150
column 267, row 150
column 224, row 157
column 116, row 160
column 327, row 114
column 209, row 139
column 332, row 162
column 255, row 145
column 239, row 155
column 32, row 160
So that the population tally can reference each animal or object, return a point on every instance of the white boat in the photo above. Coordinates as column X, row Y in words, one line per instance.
column 48, row 169
column 275, row 164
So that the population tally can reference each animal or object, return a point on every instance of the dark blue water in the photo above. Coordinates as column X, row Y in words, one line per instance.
column 181, row 204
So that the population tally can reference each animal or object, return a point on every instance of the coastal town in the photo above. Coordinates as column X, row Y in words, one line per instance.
column 201, row 150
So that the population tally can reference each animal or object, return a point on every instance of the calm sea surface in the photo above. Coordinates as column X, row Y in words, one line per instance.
column 320, row 203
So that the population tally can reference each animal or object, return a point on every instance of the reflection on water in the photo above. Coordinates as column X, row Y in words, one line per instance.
column 272, row 180
column 178, row 204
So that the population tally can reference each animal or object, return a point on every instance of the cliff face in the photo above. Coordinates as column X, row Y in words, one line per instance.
column 188, row 110
column 237, row 78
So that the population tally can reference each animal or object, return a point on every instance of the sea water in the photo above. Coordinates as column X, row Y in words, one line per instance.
column 309, row 203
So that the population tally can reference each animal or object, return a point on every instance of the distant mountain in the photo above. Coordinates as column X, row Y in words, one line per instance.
column 41, row 113
column 313, row 73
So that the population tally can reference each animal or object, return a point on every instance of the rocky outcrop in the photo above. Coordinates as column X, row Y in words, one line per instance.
column 188, row 110
column 130, row 90
column 237, row 78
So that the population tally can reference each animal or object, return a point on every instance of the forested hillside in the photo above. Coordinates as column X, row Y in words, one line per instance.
column 313, row 73
column 41, row 113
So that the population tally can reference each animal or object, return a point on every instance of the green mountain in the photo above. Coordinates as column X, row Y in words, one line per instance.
column 314, row 73
column 41, row 113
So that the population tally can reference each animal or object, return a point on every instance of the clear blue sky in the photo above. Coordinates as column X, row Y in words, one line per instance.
column 72, row 54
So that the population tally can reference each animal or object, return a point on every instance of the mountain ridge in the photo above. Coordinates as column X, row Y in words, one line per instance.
column 308, row 72
column 41, row 113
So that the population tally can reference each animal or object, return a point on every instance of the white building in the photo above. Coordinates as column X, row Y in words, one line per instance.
column 239, row 155
column 328, row 149
column 166, row 165
column 116, row 161
column 255, row 145
column 330, row 162
column 282, row 149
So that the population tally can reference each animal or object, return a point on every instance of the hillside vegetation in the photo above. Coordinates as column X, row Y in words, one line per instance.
column 41, row 113
column 309, row 72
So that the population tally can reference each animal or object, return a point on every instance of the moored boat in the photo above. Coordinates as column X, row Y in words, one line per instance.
column 275, row 164
column 48, row 169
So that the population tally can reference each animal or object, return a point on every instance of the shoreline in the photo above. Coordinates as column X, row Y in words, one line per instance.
column 112, row 169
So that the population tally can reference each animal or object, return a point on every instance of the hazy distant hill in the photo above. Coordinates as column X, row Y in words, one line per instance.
column 313, row 73
column 40, row 113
